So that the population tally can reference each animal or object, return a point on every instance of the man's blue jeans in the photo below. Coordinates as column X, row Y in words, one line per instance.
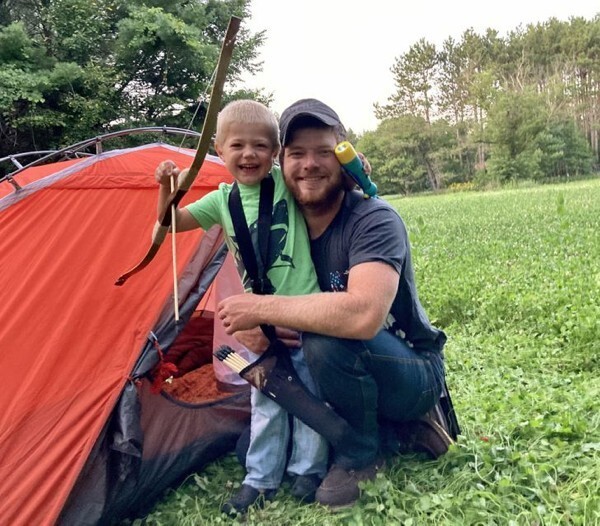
column 369, row 381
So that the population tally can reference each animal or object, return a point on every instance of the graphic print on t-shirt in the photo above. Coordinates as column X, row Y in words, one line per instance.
column 338, row 281
column 277, row 239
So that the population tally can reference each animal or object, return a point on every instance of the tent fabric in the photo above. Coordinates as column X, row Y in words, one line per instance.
column 70, row 338
column 183, row 446
column 35, row 173
column 152, row 442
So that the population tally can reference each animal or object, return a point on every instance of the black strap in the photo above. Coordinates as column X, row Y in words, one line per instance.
column 265, row 217
column 256, row 264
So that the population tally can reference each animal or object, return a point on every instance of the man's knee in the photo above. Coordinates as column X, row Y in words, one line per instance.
column 316, row 347
column 326, row 352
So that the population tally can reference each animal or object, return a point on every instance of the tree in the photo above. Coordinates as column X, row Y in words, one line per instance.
column 414, row 76
column 528, row 142
column 71, row 69
column 408, row 154
column 564, row 149
column 581, row 49
column 456, row 91
column 35, row 91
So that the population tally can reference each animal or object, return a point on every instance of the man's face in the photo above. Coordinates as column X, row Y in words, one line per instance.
column 311, row 169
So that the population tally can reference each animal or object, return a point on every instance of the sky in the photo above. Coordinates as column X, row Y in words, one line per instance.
column 342, row 52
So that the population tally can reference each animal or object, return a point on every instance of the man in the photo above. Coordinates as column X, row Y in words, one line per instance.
column 367, row 340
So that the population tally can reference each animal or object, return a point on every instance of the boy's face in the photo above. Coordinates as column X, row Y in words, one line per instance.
column 247, row 151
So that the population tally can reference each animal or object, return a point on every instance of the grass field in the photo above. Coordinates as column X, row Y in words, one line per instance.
column 513, row 277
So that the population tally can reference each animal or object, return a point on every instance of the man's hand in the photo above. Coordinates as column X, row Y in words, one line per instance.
column 239, row 312
column 256, row 341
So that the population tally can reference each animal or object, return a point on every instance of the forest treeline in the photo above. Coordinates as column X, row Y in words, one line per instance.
column 482, row 110
column 74, row 69
column 489, row 109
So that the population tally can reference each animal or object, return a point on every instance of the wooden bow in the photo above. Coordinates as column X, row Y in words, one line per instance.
column 165, row 220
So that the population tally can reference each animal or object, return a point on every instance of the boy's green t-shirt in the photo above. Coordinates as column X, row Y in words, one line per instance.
column 290, row 267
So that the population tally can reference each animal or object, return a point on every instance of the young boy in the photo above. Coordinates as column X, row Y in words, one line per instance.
column 247, row 140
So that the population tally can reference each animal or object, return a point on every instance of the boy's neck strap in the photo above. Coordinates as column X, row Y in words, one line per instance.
column 257, row 264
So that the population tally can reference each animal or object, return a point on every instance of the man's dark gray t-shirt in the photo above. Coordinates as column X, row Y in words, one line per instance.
column 368, row 230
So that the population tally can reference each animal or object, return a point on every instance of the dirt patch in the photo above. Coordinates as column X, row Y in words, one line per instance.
column 200, row 386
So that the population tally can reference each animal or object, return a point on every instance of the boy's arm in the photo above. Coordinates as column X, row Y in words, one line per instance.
column 165, row 172
column 256, row 341
column 357, row 313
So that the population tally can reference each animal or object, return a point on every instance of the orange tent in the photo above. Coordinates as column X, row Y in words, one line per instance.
column 75, row 349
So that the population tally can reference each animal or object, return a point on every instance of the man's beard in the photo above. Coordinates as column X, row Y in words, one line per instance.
column 322, row 201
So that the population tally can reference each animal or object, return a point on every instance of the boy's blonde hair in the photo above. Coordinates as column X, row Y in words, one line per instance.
column 247, row 112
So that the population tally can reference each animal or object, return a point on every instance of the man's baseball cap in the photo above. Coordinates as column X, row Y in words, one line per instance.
column 307, row 108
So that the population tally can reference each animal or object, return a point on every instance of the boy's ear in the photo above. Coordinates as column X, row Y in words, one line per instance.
column 219, row 151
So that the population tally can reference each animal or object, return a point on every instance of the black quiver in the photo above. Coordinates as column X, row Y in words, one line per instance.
column 274, row 375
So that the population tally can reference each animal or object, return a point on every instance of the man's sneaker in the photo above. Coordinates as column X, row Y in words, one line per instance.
column 305, row 487
column 429, row 434
column 246, row 497
column 340, row 487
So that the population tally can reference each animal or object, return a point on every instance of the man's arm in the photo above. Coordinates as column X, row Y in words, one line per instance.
column 164, row 173
column 358, row 313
